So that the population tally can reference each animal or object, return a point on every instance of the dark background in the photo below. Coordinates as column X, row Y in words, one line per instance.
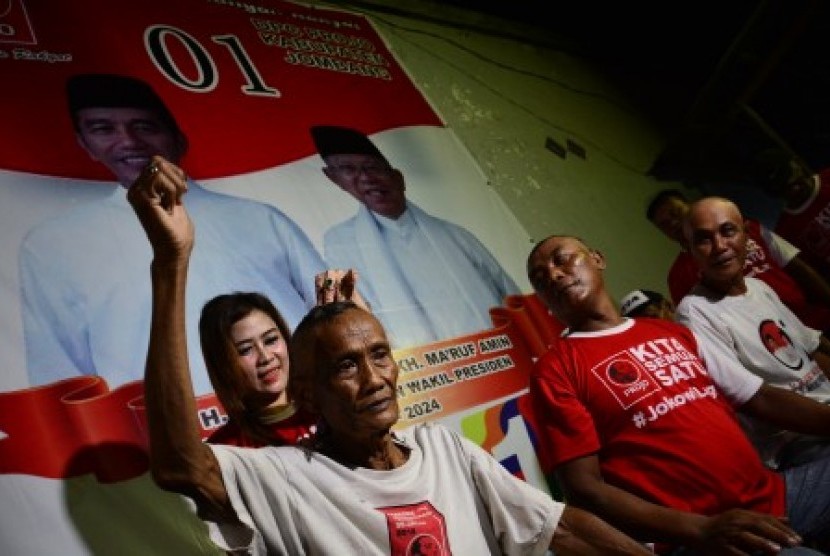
column 722, row 80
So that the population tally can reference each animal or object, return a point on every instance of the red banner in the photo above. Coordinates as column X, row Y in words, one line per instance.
column 244, row 81
column 79, row 426
column 239, row 78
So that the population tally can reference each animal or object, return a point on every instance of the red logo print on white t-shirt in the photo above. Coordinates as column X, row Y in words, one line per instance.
column 416, row 530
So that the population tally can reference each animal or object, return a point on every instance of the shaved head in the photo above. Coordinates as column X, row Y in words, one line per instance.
column 715, row 233
column 706, row 206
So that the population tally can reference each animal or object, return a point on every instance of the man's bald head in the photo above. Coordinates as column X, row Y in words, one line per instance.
column 715, row 232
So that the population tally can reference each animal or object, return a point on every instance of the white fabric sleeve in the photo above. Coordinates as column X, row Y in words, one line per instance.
column 782, row 251
column 714, row 343
column 523, row 517
column 260, row 507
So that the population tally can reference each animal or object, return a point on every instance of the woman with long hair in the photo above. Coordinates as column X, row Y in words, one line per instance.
column 245, row 343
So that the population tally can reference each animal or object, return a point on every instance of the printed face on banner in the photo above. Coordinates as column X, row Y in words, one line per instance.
column 245, row 81
column 369, row 180
column 124, row 139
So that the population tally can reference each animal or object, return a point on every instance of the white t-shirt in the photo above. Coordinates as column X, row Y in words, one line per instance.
column 450, row 494
column 750, row 339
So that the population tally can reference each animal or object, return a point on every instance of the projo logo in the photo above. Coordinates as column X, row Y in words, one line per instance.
column 626, row 379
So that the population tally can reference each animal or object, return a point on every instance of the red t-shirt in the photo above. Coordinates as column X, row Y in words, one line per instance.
column 286, row 432
column 639, row 398
column 809, row 228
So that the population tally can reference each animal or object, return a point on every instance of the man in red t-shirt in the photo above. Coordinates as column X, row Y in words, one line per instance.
column 626, row 414
column 805, row 218
column 770, row 258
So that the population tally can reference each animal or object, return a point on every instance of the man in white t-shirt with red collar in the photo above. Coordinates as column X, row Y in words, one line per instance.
column 805, row 218
column 770, row 258
column 754, row 347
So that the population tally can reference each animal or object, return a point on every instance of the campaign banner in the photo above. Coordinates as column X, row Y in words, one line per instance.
column 47, row 427
column 243, row 97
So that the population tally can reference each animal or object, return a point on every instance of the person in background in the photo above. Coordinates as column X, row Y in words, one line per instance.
column 426, row 279
column 85, row 309
column 646, row 303
column 805, row 218
column 245, row 343
column 637, row 432
column 770, row 258
column 756, row 350
column 356, row 487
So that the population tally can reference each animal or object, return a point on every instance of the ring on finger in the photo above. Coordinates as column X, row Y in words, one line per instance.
column 153, row 169
column 327, row 283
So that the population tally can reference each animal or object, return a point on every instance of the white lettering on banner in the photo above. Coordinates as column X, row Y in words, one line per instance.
column 333, row 64
column 333, row 22
column 669, row 403
column 39, row 56
column 495, row 343
column 306, row 45
column 339, row 38
column 249, row 8
column 450, row 354
column 276, row 27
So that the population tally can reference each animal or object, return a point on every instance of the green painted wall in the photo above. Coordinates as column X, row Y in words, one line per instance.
column 503, row 97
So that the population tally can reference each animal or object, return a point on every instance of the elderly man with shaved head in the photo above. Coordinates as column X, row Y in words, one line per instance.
column 762, row 356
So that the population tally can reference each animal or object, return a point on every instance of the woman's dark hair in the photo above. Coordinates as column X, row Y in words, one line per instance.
column 229, row 382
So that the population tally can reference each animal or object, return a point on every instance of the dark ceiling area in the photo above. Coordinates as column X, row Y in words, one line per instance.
column 722, row 80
